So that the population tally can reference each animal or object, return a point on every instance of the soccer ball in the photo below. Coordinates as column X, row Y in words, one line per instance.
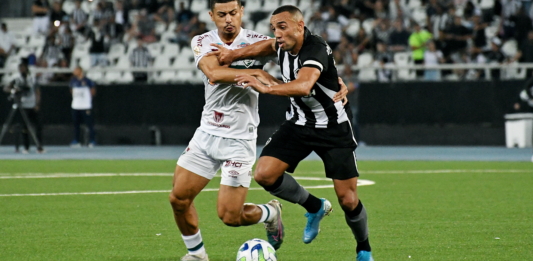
column 256, row 250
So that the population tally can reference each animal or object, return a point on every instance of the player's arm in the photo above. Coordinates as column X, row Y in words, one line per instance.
column 307, row 77
column 221, row 74
column 259, row 49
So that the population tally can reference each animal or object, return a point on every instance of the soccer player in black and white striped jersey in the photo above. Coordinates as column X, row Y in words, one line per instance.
column 316, row 121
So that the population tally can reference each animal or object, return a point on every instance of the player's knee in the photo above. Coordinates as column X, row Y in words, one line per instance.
column 229, row 219
column 348, row 202
column 179, row 204
column 263, row 178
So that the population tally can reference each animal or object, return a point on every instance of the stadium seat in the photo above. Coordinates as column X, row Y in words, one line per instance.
column 401, row 59
column 97, row 76
column 263, row 27
column 127, row 77
column 270, row 5
column 490, row 32
column 154, row 48
column 170, row 50
column 80, row 51
column 84, row 62
column 414, row 4
column 167, row 36
column 165, row 77
column 68, row 6
column 12, row 62
column 512, row 71
column 419, row 15
column 486, row 4
column 509, row 48
column 185, row 59
column 368, row 25
column 198, row 6
column 353, row 27
column 252, row 6
column 8, row 77
column 160, row 28
column 365, row 74
column 20, row 39
column 113, row 76
column 115, row 51
column 36, row 40
column 162, row 61
column 205, row 17
column 25, row 51
column 305, row 6
column 289, row 2
column 186, row 76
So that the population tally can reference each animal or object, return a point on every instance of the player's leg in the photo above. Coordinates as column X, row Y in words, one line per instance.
column 186, row 186
column 195, row 169
column 76, row 119
column 89, row 122
column 341, row 166
column 239, row 158
column 282, row 153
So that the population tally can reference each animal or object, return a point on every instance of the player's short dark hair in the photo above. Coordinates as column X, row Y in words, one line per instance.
column 288, row 8
column 213, row 2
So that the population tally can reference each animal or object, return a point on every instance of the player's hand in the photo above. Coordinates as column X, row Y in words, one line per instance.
column 341, row 95
column 250, row 81
column 223, row 54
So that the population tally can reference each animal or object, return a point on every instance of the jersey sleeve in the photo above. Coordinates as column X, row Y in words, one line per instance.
column 200, row 46
column 316, row 56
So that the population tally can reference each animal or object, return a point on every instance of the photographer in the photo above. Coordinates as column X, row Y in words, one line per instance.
column 25, row 88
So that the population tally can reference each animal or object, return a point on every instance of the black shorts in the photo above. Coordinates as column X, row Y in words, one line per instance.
column 334, row 145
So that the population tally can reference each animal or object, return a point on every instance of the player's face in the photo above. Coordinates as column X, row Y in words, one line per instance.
column 287, row 31
column 227, row 17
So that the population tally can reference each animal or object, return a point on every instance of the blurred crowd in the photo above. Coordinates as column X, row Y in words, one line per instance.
column 361, row 32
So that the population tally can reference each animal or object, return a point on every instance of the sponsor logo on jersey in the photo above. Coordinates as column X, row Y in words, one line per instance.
column 243, row 44
column 200, row 38
column 196, row 50
column 248, row 63
column 233, row 164
column 233, row 174
column 260, row 36
column 218, row 116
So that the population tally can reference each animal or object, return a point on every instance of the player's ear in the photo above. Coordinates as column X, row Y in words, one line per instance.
column 211, row 15
column 301, row 25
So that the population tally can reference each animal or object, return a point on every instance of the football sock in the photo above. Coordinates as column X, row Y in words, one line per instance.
column 357, row 221
column 269, row 213
column 312, row 204
column 287, row 188
column 194, row 244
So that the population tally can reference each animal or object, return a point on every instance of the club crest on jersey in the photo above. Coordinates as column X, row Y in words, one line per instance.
column 196, row 50
column 248, row 63
column 218, row 116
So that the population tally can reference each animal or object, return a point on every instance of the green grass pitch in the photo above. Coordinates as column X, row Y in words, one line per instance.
column 417, row 211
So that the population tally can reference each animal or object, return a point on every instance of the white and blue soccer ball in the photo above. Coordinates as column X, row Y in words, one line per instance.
column 256, row 250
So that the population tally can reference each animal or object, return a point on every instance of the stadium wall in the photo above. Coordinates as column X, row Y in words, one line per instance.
column 401, row 113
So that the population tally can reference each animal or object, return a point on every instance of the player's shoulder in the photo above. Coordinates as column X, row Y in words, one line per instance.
column 314, row 44
column 254, row 36
column 203, row 39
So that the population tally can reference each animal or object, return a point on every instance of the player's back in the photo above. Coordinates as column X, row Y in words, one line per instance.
column 230, row 110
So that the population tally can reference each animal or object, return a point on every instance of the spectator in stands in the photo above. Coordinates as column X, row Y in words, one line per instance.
column 418, row 40
column 66, row 42
column 201, row 29
column 102, row 14
column 41, row 21
column 52, row 53
column 382, row 54
column 399, row 38
column 479, row 40
column 379, row 10
column 525, row 52
column 78, row 18
column 350, row 79
column 361, row 41
column 317, row 25
column 184, row 32
column 495, row 56
column 97, row 50
column 151, row 6
column 113, row 32
column 383, row 58
column 166, row 13
column 334, row 27
column 523, row 25
column 7, row 44
column 432, row 57
column 342, row 50
column 121, row 14
column 510, row 8
column 397, row 9
column 456, row 37
column 57, row 15
column 145, row 27
column 381, row 33
column 345, row 8
column 140, row 58
column 184, row 14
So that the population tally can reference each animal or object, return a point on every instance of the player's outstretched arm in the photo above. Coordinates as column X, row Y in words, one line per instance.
column 221, row 74
column 302, row 86
column 260, row 49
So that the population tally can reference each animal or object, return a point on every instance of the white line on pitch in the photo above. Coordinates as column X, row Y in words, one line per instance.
column 437, row 171
column 92, row 175
column 360, row 183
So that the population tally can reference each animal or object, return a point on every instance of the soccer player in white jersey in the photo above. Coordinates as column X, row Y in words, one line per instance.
column 226, row 138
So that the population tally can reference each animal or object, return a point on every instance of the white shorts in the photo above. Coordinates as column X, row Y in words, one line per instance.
column 207, row 153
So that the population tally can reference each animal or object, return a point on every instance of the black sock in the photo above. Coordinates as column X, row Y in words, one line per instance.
column 312, row 204
column 363, row 246
column 356, row 211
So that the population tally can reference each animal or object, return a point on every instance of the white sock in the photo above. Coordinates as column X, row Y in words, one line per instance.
column 194, row 244
column 269, row 213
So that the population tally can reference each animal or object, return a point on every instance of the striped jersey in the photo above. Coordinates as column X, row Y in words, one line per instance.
column 317, row 110
column 230, row 110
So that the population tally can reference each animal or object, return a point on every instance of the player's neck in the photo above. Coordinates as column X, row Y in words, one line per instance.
column 229, row 38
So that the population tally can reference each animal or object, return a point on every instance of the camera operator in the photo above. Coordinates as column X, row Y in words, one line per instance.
column 26, row 89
